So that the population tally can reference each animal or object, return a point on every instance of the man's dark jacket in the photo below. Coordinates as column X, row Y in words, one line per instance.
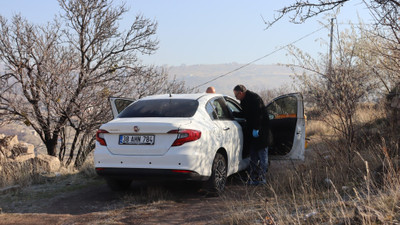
column 257, row 119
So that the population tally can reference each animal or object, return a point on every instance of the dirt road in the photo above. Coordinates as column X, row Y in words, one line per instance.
column 87, row 200
column 144, row 203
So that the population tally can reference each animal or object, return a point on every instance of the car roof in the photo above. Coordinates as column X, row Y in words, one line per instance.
column 195, row 96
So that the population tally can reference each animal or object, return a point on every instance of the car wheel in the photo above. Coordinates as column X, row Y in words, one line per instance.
column 118, row 184
column 217, row 181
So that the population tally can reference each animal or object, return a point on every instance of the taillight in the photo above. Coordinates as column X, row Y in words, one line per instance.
column 185, row 136
column 181, row 171
column 100, row 137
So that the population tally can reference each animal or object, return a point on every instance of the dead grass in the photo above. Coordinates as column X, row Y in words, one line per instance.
column 18, row 174
column 147, row 195
column 305, row 200
column 315, row 128
column 26, row 174
column 326, row 188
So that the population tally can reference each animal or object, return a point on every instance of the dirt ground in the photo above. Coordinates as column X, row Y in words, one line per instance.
column 89, row 201
column 95, row 203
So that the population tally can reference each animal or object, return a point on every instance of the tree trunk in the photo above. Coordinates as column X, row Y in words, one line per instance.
column 51, row 146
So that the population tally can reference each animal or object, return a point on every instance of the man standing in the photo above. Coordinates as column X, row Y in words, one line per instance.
column 257, row 121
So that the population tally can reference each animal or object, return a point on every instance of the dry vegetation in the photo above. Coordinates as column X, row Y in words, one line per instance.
column 326, row 188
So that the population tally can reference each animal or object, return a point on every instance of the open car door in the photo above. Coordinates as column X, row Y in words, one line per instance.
column 119, row 104
column 287, row 125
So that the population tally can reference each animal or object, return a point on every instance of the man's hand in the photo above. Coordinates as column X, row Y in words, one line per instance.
column 255, row 133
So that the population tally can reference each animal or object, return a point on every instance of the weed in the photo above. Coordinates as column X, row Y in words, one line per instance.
column 328, row 188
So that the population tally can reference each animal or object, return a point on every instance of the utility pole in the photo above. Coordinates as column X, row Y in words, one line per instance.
column 330, row 50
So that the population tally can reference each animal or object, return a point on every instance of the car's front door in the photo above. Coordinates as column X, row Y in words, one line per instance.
column 237, row 115
column 231, row 133
column 119, row 104
column 287, row 125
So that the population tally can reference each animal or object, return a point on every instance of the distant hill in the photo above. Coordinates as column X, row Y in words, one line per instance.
column 254, row 77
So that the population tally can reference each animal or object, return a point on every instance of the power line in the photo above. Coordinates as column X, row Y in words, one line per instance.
column 258, row 59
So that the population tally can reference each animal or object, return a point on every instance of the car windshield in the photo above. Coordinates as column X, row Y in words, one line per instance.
column 161, row 108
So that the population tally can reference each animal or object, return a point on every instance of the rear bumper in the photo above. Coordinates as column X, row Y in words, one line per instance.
column 149, row 174
column 193, row 163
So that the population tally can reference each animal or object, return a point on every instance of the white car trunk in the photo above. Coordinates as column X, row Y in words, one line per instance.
column 158, row 128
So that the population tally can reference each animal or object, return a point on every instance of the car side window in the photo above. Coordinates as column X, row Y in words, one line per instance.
column 221, row 109
column 121, row 104
column 234, row 108
column 210, row 111
column 284, row 107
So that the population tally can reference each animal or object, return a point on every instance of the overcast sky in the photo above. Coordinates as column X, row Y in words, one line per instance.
column 211, row 31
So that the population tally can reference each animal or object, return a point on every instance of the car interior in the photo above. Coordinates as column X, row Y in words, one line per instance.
column 283, row 119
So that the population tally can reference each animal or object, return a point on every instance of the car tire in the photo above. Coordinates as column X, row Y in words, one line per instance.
column 216, row 183
column 118, row 184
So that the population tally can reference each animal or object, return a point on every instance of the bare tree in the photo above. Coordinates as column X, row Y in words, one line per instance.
column 384, row 11
column 33, row 83
column 96, row 109
column 338, row 93
column 385, row 33
column 59, row 76
column 380, row 57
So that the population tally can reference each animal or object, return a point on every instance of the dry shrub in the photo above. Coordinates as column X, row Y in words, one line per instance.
column 29, row 172
column 22, row 174
column 316, row 193
column 316, row 128
column 327, row 187
column 88, row 168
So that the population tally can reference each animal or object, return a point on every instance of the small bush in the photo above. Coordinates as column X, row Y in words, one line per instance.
column 22, row 174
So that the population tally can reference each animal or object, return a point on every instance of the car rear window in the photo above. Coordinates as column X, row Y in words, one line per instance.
column 161, row 108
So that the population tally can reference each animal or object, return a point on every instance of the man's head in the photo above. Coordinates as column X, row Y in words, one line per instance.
column 210, row 90
column 239, row 91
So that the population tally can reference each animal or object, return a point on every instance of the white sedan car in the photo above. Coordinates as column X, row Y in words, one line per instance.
column 188, row 137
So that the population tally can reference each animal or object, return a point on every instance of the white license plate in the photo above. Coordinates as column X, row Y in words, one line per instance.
column 136, row 139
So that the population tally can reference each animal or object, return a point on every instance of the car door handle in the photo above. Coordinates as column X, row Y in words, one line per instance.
column 227, row 128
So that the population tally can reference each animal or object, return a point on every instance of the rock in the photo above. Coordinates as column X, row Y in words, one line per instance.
column 23, row 148
column 2, row 136
column 10, row 141
column 48, row 163
column 7, row 143
column 2, row 156
column 24, row 157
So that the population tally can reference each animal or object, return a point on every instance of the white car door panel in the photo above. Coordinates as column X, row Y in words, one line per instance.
column 287, row 125
column 231, row 131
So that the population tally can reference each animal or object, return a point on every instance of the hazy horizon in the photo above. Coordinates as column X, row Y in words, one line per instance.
column 254, row 76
